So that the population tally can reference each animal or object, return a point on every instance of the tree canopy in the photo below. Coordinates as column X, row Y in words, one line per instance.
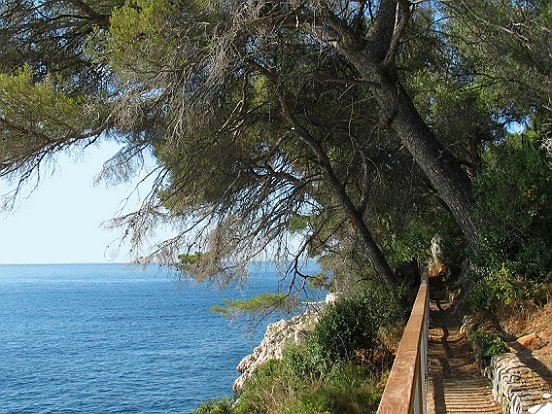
column 355, row 127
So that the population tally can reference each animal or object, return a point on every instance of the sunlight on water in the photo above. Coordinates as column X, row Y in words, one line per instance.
column 115, row 339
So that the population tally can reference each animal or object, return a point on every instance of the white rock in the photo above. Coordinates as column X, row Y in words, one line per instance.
column 331, row 298
column 545, row 408
column 271, row 347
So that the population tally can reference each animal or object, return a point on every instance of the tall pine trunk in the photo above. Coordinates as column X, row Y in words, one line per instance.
column 441, row 168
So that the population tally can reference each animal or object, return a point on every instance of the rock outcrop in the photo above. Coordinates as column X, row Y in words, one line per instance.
column 276, row 336
column 530, row 342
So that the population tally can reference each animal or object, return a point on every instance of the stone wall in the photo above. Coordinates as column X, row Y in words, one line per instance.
column 516, row 386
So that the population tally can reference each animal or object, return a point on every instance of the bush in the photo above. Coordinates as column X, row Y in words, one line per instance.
column 416, row 235
column 350, row 324
column 514, row 196
column 346, row 390
column 271, row 386
column 505, row 286
column 223, row 406
column 300, row 361
column 482, row 299
column 319, row 376
column 486, row 345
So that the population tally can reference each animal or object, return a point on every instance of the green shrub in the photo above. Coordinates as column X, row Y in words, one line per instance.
column 482, row 298
column 414, row 238
column 306, row 406
column 514, row 198
column 343, row 328
column 486, row 345
column 319, row 376
column 350, row 324
column 505, row 286
column 223, row 406
column 514, row 195
column 347, row 389
column 300, row 361
column 271, row 385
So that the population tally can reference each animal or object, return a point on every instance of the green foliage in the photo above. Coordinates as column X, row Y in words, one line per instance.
column 261, row 304
column 143, row 38
column 320, row 376
column 510, row 68
column 186, row 260
column 38, row 118
column 223, row 406
column 350, row 324
column 409, row 237
column 20, row 96
column 348, row 391
column 270, row 386
column 486, row 345
column 413, row 242
column 515, row 204
column 505, row 286
column 514, row 193
column 341, row 330
column 277, row 388
column 482, row 299
column 298, row 223
column 322, row 281
column 38, row 113
column 299, row 360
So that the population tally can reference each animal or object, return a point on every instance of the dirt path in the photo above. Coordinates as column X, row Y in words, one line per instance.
column 454, row 382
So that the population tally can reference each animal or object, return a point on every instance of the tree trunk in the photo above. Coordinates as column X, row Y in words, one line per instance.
column 441, row 168
column 375, row 255
column 373, row 252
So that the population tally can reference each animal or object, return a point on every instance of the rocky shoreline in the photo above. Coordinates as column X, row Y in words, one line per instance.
column 276, row 336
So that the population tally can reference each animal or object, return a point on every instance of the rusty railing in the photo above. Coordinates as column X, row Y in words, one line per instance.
column 405, row 392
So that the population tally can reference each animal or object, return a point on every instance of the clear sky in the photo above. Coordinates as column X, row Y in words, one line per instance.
column 61, row 221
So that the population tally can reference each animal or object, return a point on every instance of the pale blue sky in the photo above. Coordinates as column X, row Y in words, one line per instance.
column 61, row 221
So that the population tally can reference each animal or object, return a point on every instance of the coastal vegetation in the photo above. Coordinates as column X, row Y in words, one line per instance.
column 349, row 132
column 339, row 368
column 259, row 305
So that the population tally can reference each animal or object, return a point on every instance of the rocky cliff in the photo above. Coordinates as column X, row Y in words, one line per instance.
column 277, row 334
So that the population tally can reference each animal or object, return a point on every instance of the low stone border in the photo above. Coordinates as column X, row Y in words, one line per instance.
column 516, row 386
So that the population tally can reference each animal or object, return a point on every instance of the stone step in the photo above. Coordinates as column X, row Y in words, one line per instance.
column 455, row 385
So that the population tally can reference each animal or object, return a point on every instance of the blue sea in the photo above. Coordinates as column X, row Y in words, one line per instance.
column 113, row 338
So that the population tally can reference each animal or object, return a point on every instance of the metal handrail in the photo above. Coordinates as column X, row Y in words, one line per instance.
column 405, row 392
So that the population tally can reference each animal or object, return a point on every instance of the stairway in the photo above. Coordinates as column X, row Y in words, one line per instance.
column 454, row 382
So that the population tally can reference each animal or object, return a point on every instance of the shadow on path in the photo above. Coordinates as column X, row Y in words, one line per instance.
column 454, row 382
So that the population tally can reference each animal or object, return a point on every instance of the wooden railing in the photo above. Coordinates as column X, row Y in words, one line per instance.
column 405, row 392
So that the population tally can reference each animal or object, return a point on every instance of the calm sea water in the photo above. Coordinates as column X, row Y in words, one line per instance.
column 115, row 339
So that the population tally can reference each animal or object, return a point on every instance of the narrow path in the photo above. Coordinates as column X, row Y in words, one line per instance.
column 454, row 383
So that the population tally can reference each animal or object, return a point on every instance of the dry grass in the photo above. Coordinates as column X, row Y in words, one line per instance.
column 537, row 321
